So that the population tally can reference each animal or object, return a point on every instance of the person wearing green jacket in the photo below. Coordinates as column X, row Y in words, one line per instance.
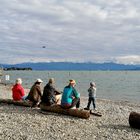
column 70, row 97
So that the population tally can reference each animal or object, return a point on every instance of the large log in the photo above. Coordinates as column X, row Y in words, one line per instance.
column 72, row 112
column 134, row 120
column 19, row 103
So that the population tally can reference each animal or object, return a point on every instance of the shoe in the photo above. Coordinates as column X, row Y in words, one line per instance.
column 86, row 108
column 73, row 107
column 35, row 108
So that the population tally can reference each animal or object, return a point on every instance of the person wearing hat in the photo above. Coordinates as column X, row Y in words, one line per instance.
column 70, row 97
column 51, row 95
column 35, row 93
column 18, row 91
column 91, row 95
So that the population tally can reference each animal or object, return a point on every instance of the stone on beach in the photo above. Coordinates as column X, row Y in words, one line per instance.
column 18, row 122
column 134, row 120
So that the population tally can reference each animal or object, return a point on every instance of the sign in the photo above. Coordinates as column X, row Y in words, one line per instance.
column 7, row 77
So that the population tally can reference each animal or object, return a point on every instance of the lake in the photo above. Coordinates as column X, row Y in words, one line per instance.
column 113, row 85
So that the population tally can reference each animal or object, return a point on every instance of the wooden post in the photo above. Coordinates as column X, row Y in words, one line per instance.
column 72, row 112
column 134, row 120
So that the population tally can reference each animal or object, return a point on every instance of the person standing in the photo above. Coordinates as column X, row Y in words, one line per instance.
column 18, row 91
column 92, row 96
column 51, row 95
column 70, row 97
column 35, row 93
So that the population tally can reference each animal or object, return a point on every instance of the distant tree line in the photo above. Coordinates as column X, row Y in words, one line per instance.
column 16, row 68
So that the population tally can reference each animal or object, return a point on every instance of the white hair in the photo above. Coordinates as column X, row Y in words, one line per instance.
column 18, row 81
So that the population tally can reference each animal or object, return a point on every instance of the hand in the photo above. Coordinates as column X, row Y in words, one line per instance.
column 78, row 94
column 73, row 97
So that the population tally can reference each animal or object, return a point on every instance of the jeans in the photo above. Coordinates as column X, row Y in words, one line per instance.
column 24, row 97
column 91, row 99
column 75, row 102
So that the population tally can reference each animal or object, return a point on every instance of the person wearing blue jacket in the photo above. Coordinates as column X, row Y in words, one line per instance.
column 70, row 97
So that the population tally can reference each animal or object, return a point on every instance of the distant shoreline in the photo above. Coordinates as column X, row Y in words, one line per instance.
column 16, row 68
column 73, row 66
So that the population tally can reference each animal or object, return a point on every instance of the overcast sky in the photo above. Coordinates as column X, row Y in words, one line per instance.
column 71, row 30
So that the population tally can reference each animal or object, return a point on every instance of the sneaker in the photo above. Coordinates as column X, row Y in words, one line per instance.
column 86, row 108
column 73, row 107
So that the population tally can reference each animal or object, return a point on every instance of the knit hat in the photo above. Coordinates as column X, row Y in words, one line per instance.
column 72, row 81
column 92, row 84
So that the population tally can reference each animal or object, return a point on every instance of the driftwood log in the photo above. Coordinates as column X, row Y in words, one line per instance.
column 56, row 108
column 72, row 112
column 134, row 120
column 19, row 103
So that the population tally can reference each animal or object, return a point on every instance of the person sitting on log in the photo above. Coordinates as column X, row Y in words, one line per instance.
column 51, row 95
column 70, row 97
column 18, row 91
column 35, row 93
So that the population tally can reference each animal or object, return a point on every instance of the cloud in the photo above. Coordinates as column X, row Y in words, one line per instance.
column 96, row 31
column 130, row 59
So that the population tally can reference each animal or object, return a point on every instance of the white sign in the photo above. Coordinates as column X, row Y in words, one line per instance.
column 7, row 77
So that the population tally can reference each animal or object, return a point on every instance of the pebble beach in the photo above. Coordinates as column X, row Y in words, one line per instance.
column 24, row 123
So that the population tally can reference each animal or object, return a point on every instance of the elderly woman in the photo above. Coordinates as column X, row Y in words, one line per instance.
column 35, row 93
column 70, row 97
column 18, row 91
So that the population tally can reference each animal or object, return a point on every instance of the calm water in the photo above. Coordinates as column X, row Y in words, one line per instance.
column 115, row 85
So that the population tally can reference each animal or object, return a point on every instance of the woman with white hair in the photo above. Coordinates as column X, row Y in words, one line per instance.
column 18, row 91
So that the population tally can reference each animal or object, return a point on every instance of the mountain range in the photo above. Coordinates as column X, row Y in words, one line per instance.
column 72, row 66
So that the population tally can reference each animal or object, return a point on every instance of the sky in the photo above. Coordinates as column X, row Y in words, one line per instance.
column 70, row 31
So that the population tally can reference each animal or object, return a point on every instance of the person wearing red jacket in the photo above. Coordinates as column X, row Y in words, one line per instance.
column 18, row 91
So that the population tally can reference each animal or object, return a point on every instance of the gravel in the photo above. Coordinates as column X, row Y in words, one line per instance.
column 24, row 123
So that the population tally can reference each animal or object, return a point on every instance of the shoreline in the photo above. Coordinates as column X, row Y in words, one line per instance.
column 110, row 85
column 24, row 123
column 7, row 88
